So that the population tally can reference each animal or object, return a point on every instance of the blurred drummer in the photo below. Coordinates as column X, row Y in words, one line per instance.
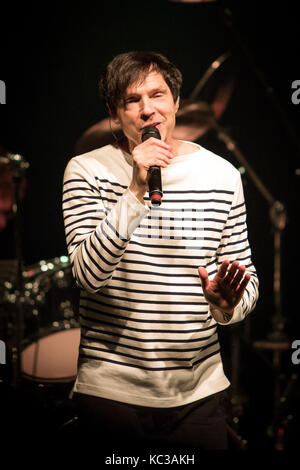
column 8, row 168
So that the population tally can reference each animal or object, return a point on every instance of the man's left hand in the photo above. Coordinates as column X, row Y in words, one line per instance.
column 226, row 289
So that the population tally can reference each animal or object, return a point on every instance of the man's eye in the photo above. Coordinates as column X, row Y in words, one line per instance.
column 132, row 100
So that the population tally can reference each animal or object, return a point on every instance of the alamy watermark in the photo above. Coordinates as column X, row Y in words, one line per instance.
column 296, row 354
column 2, row 352
column 186, row 224
column 2, row 92
column 296, row 94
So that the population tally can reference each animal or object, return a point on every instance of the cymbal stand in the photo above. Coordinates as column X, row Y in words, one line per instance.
column 237, row 399
column 278, row 217
column 277, row 340
column 277, row 212
column 245, row 56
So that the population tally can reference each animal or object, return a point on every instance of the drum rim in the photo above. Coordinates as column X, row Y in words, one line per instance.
column 42, row 333
column 44, row 380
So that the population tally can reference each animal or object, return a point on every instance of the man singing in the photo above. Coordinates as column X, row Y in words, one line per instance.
column 156, row 281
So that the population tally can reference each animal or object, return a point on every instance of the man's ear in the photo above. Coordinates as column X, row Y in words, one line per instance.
column 115, row 120
column 177, row 104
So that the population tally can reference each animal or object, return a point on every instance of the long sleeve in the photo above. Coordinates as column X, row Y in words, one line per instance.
column 234, row 246
column 97, row 232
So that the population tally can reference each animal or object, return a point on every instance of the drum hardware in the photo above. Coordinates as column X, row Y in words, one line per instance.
column 281, row 414
column 17, row 166
column 277, row 211
column 277, row 214
column 278, row 218
column 50, row 348
column 50, row 331
column 238, row 401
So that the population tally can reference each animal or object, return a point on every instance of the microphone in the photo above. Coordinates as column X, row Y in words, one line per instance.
column 154, row 180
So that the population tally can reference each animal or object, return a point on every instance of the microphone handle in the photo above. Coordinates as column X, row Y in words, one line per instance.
column 154, row 183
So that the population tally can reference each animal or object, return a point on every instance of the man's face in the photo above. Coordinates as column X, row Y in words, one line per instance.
column 147, row 103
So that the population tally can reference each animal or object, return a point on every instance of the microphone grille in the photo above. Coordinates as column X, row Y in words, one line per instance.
column 150, row 131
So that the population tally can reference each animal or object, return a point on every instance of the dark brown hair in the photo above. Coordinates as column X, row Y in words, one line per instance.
column 129, row 67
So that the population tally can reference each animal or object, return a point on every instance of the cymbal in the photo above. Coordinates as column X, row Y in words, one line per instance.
column 217, row 84
column 102, row 133
column 193, row 120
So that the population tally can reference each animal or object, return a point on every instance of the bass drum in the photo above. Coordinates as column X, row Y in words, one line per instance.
column 52, row 332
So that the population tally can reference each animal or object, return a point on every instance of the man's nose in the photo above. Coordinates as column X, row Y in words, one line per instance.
column 147, row 108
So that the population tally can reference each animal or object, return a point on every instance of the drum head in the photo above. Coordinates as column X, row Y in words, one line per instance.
column 52, row 358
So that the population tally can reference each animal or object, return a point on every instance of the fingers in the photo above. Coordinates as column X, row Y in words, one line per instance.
column 226, row 289
column 235, row 276
column 243, row 284
column 204, row 277
column 156, row 142
column 223, row 269
column 152, row 152
column 154, row 145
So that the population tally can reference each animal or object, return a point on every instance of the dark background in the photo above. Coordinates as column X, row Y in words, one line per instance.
column 51, row 58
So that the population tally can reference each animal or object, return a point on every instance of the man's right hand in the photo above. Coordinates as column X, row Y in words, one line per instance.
column 152, row 152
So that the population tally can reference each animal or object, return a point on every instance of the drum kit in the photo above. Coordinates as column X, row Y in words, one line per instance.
column 39, row 327
column 50, row 332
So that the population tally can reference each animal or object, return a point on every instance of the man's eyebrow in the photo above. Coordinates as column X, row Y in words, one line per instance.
column 131, row 94
column 153, row 90
column 159, row 89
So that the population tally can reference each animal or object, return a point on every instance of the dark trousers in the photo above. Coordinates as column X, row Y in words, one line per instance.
column 112, row 424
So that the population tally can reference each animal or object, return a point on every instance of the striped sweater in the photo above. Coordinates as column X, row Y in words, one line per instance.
column 147, row 334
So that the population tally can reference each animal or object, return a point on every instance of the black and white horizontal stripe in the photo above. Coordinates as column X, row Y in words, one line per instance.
column 142, row 305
